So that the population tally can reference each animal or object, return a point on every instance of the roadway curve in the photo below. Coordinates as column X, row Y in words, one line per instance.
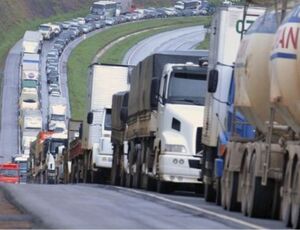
column 180, row 39
column 93, row 206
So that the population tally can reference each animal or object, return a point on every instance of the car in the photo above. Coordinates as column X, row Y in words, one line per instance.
column 99, row 24
column 80, row 20
column 55, row 93
column 52, row 78
column 110, row 21
column 51, row 69
column 52, row 54
column 85, row 29
column 74, row 30
column 66, row 25
column 53, row 86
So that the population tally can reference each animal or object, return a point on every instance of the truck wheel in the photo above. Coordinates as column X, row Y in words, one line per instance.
column 243, row 187
column 209, row 193
column 260, row 198
column 295, row 210
column 285, row 201
column 163, row 187
column 198, row 188
column 136, row 178
column 224, row 188
column 231, row 195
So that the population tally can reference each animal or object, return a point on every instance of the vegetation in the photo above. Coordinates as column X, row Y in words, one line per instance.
column 82, row 55
column 204, row 45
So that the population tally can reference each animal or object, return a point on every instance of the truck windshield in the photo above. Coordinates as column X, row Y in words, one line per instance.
column 187, row 88
column 44, row 28
column 9, row 172
column 107, row 123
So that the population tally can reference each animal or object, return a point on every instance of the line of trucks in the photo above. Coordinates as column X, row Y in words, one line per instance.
column 227, row 123
column 38, row 163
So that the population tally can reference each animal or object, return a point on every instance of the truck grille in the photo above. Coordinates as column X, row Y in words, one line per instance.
column 194, row 164
column 199, row 140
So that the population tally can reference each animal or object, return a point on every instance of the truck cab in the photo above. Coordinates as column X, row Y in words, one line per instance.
column 46, row 31
column 104, row 148
column 180, row 104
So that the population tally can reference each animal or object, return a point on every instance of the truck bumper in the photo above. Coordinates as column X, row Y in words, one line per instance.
column 179, row 169
column 103, row 161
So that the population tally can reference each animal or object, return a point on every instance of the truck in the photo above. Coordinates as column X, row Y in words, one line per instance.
column 187, row 4
column 260, row 174
column 162, row 138
column 47, row 31
column 46, row 157
column 9, row 173
column 32, row 42
column 30, row 67
column 92, row 155
column 218, row 110
column 22, row 161
column 31, row 123
column 57, row 114
column 29, row 99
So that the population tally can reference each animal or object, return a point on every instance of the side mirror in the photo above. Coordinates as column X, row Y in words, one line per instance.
column 124, row 114
column 90, row 118
column 213, row 80
column 154, row 92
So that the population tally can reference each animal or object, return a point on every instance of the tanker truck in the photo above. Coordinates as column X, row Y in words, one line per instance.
column 261, row 174
column 157, row 142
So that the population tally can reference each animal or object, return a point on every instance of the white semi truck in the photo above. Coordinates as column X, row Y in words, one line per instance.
column 30, row 125
column 47, row 31
column 30, row 67
column 32, row 42
column 57, row 114
column 162, row 135
column 93, row 156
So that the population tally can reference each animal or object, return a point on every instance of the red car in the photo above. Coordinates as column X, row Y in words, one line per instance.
column 9, row 173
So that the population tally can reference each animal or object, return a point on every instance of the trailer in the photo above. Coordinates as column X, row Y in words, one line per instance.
column 93, row 159
column 32, row 42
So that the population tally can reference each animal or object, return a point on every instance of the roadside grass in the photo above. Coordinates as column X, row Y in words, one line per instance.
column 16, row 33
column 204, row 45
column 82, row 56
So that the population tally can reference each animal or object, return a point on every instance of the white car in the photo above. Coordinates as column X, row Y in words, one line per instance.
column 55, row 93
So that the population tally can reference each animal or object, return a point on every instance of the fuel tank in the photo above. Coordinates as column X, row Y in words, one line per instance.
column 252, row 75
column 285, row 70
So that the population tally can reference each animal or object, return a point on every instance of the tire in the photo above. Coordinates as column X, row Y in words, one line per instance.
column 136, row 178
column 285, row 208
column 260, row 198
column 243, row 177
column 231, row 196
column 209, row 193
column 163, row 187
column 198, row 188
column 115, row 180
column 295, row 207
column 224, row 189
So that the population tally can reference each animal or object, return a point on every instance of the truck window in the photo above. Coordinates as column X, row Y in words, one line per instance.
column 187, row 88
column 107, row 122
column 165, row 86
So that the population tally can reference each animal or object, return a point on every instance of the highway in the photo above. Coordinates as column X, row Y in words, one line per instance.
column 180, row 39
column 99, row 206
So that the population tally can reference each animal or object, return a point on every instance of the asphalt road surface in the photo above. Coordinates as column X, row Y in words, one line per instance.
column 180, row 39
column 9, row 134
column 88, row 206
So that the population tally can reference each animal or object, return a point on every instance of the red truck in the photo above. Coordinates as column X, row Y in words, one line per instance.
column 9, row 173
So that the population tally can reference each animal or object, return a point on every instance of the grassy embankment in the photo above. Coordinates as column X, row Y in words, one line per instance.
column 83, row 54
column 204, row 45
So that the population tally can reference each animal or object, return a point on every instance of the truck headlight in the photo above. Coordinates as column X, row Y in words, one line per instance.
column 175, row 148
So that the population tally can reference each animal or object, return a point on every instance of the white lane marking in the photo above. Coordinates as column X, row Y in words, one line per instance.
column 228, row 218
